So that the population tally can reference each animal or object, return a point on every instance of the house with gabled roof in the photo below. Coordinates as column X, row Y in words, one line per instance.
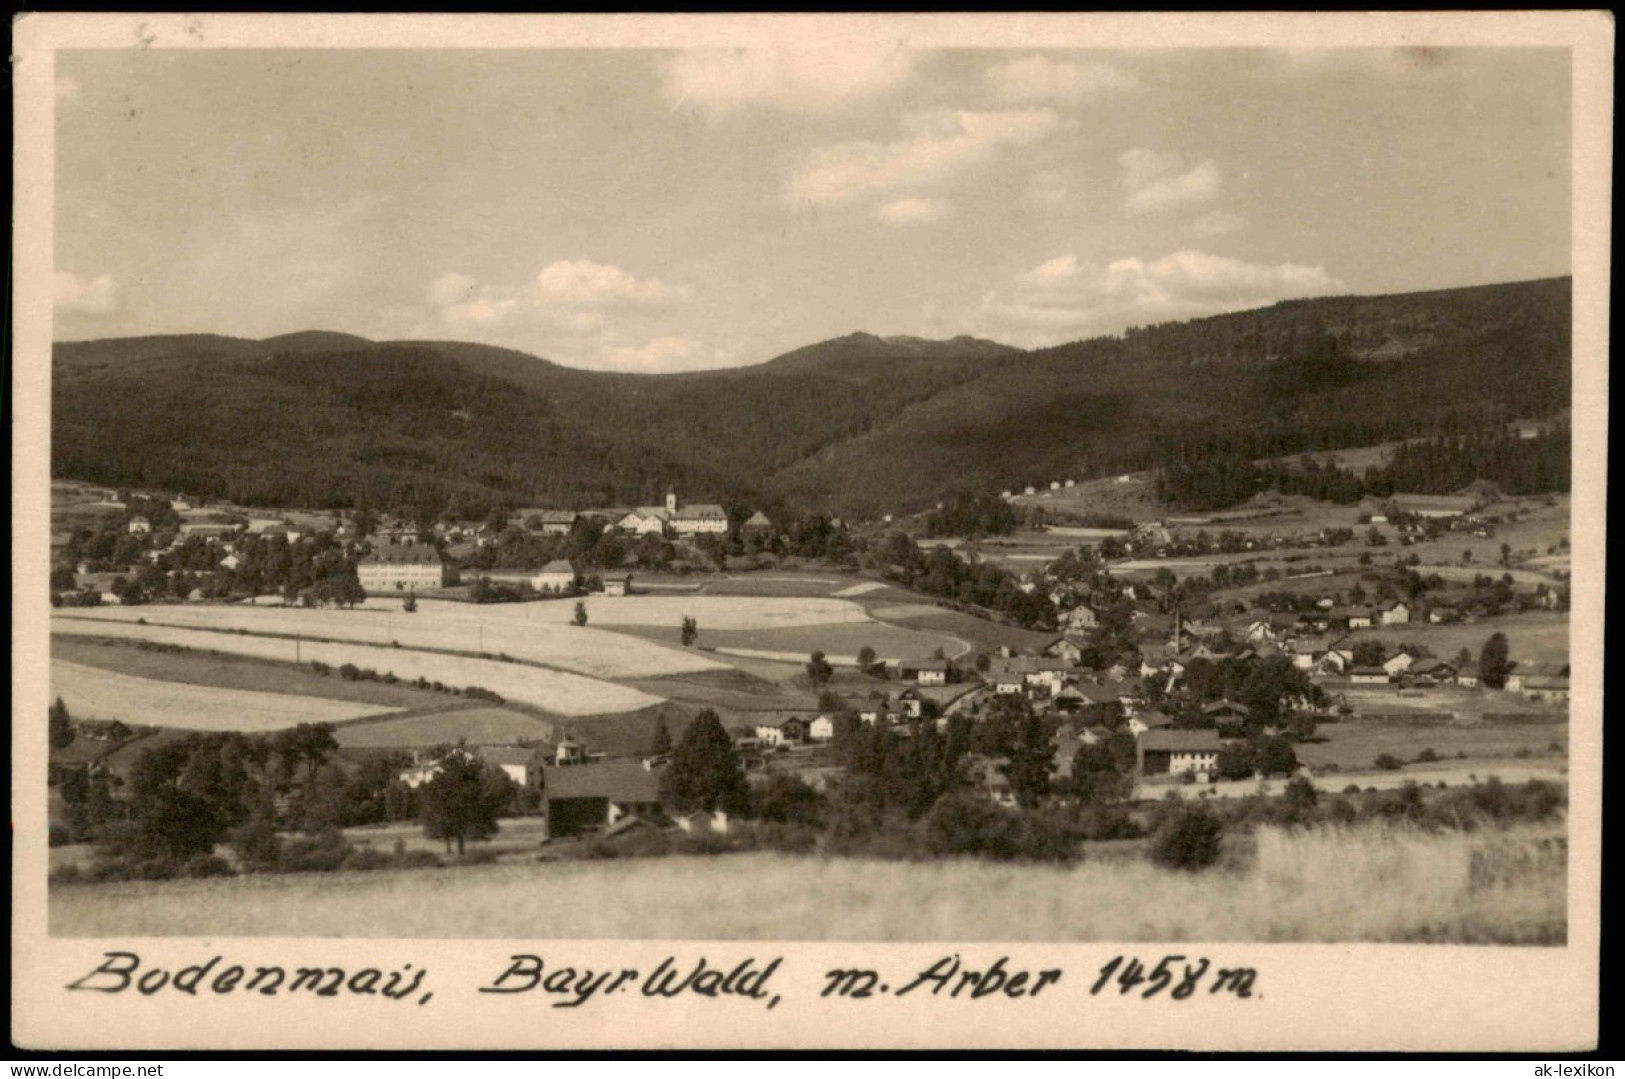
column 588, row 797
column 1172, row 751
column 558, row 575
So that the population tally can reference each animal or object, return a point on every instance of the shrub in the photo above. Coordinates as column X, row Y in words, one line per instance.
column 207, row 865
column 1427, row 756
column 477, row 856
column 320, row 668
column 1101, row 823
column 967, row 824
column 363, row 859
column 417, row 859
column 1388, row 763
column 68, row 874
column 1189, row 839
column 349, row 672
column 322, row 853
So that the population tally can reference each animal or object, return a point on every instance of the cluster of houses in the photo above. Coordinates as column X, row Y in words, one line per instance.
column 579, row 793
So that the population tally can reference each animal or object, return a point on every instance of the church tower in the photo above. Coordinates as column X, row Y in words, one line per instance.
column 671, row 503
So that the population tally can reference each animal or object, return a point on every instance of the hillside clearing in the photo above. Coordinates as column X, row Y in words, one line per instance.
column 96, row 693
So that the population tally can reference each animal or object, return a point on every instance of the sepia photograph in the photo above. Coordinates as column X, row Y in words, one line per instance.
column 864, row 484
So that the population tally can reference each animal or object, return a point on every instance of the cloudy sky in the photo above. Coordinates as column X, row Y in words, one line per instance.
column 659, row 210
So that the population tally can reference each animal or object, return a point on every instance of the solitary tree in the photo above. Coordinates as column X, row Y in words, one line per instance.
column 705, row 772
column 580, row 617
column 691, row 629
column 61, row 727
column 463, row 800
column 1493, row 664
column 866, row 657
column 662, row 738
column 819, row 670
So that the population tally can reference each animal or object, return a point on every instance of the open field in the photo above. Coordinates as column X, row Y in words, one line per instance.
column 96, row 693
column 479, row 726
column 1366, row 884
column 731, row 690
column 554, row 691
column 843, row 640
column 984, row 635
column 1534, row 637
column 242, row 672
column 1352, row 745
column 773, row 584
column 537, row 632
column 717, row 612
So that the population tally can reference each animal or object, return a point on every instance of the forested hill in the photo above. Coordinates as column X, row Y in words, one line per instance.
column 859, row 425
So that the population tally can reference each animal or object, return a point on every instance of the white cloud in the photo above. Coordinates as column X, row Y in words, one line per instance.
column 75, row 295
column 1153, row 184
column 792, row 77
column 1216, row 223
column 451, row 288
column 586, row 283
column 1066, row 298
column 1033, row 79
column 936, row 145
column 1141, row 166
column 662, row 354
column 461, row 301
column 914, row 211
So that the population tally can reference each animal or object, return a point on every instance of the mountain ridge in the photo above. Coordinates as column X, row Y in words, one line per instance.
column 860, row 425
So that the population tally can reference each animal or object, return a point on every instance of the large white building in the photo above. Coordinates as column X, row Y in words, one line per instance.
column 694, row 519
column 403, row 567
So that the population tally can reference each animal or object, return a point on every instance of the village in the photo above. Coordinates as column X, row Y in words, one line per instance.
column 1362, row 675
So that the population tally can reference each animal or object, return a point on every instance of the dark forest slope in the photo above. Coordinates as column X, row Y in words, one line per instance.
column 858, row 425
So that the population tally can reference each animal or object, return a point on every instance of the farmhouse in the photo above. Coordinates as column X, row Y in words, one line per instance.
column 1399, row 661
column 403, row 567
column 555, row 522
column 758, row 523
column 592, row 796
column 618, row 584
column 522, row 764
column 1542, row 687
column 139, row 524
column 1369, row 676
column 822, row 729
column 1064, row 647
column 1170, row 752
column 557, row 576
column 1396, row 614
column 926, row 672
column 1081, row 617
column 1150, row 720
column 780, row 729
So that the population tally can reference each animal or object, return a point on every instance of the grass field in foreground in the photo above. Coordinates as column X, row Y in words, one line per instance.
column 1366, row 884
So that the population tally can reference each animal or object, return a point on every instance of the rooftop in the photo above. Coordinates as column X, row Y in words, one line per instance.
column 619, row 781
